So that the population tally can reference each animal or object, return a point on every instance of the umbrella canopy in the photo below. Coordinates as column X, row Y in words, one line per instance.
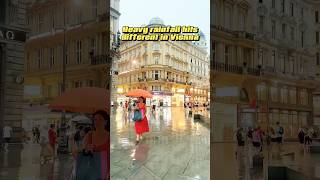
column 81, row 120
column 139, row 93
column 83, row 100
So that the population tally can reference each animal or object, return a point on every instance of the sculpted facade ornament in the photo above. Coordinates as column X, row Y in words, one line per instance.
column 13, row 8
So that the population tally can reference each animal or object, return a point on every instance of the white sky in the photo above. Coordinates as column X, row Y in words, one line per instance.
column 172, row 12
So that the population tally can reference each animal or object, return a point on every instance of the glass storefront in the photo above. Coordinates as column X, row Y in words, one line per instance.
column 177, row 100
column 157, row 99
column 224, row 118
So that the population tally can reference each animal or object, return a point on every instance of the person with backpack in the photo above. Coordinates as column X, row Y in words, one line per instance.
column 141, row 124
column 279, row 135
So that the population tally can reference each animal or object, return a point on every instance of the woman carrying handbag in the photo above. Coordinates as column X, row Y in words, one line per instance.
column 93, row 162
column 140, row 118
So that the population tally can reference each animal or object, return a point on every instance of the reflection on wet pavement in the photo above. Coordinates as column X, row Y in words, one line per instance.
column 22, row 162
column 175, row 148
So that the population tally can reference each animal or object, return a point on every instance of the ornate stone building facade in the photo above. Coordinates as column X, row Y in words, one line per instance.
column 114, row 44
column 83, row 26
column 12, row 38
column 262, row 65
column 175, row 72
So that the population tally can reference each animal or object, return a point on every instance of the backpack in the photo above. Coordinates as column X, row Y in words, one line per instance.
column 281, row 130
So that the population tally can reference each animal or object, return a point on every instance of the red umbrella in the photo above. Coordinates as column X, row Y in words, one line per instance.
column 139, row 93
column 84, row 100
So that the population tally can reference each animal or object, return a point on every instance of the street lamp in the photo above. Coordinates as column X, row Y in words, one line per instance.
column 64, row 67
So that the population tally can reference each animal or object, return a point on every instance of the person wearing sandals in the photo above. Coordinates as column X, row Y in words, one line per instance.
column 141, row 126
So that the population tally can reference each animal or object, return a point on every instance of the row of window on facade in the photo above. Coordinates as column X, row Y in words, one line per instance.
column 54, row 90
column 157, row 46
column 284, row 9
column 284, row 31
column 54, row 55
column 54, row 17
column 167, row 88
column 200, row 68
column 155, row 75
column 283, row 63
column 243, row 13
column 283, row 95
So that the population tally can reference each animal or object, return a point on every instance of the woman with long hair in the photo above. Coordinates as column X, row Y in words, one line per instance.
column 98, row 141
column 141, row 126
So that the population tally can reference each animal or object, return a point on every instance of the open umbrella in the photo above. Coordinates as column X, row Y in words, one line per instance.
column 83, row 100
column 139, row 93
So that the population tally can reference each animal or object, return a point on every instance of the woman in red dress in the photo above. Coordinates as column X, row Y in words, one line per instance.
column 141, row 126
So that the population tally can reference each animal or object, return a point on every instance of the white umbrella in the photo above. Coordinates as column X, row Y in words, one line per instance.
column 81, row 119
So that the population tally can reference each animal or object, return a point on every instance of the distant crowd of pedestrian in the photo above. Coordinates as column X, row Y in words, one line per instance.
column 256, row 137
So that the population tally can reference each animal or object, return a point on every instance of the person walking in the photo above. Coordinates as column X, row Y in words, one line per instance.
column 257, row 139
column 279, row 135
column 308, row 139
column 7, row 133
column 301, row 136
column 52, row 136
column 240, row 142
column 37, row 134
column 141, row 126
column 126, row 106
column 34, row 134
column 256, row 153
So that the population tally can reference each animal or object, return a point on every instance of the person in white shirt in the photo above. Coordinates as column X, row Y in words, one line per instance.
column 7, row 131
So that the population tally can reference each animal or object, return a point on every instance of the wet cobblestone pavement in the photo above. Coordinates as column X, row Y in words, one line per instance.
column 22, row 162
column 176, row 147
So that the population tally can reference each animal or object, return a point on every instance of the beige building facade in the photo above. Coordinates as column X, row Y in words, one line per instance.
column 262, row 65
column 114, row 44
column 83, row 26
column 175, row 72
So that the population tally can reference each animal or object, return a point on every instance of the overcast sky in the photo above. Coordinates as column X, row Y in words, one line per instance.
column 172, row 12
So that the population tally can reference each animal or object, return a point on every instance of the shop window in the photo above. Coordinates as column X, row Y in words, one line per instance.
column 274, row 94
column 304, row 97
column 79, row 52
column 284, row 95
column 293, row 96
column 274, row 117
column 262, row 92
